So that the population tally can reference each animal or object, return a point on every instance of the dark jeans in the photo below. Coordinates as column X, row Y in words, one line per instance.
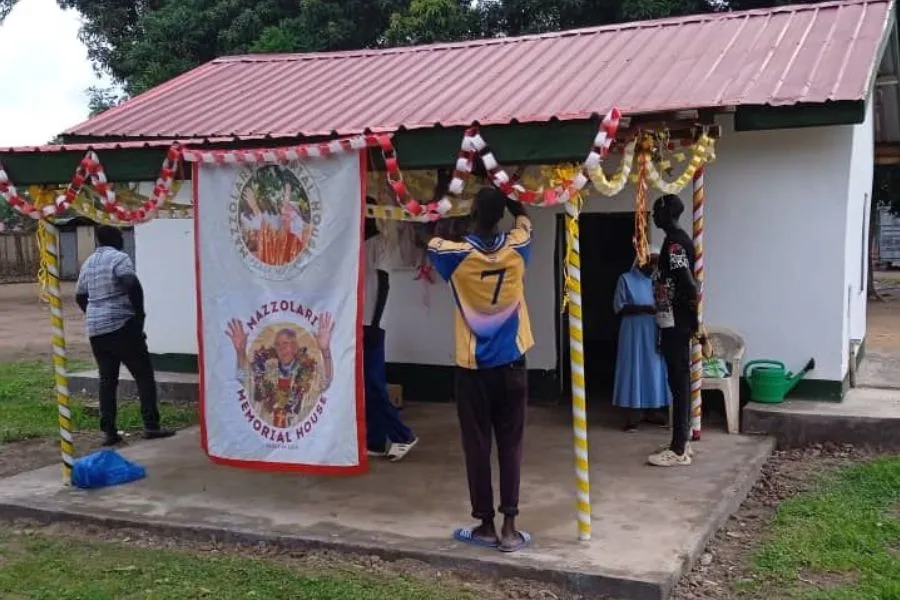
column 491, row 402
column 676, row 350
column 129, row 346
column 383, row 422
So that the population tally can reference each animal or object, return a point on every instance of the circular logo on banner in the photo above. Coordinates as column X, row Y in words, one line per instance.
column 284, row 370
column 275, row 217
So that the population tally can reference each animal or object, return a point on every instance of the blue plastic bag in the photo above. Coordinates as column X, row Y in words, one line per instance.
column 105, row 468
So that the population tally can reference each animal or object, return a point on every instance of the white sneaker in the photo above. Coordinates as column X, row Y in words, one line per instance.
column 397, row 452
column 375, row 454
column 667, row 458
column 688, row 449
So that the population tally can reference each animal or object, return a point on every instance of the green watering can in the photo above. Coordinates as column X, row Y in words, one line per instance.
column 770, row 381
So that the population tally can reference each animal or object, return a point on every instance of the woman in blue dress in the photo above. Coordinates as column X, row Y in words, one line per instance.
column 641, row 386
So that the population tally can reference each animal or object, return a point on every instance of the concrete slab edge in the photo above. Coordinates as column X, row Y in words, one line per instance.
column 797, row 430
column 656, row 587
column 727, row 506
column 175, row 392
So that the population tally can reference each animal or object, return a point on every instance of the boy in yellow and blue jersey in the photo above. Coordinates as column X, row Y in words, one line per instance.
column 486, row 272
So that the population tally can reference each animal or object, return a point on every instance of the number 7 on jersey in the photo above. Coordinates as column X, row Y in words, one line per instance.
column 499, row 274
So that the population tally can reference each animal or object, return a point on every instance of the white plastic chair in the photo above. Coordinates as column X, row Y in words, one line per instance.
column 730, row 347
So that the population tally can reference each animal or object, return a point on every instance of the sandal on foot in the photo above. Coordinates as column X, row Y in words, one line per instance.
column 524, row 542
column 466, row 535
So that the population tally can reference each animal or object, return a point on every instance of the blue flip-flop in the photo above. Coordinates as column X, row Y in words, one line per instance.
column 524, row 542
column 466, row 536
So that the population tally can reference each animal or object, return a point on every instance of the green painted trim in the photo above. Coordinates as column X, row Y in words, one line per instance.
column 551, row 142
column 421, row 383
column 518, row 143
column 30, row 168
column 434, row 383
column 174, row 363
column 759, row 118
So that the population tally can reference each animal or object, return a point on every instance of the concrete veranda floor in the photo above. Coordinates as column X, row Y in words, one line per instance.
column 649, row 524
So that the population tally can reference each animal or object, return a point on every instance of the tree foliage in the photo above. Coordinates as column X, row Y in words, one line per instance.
column 5, row 7
column 141, row 43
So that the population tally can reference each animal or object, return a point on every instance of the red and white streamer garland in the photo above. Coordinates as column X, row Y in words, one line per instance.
column 281, row 155
column 435, row 210
column 90, row 170
column 10, row 194
column 556, row 195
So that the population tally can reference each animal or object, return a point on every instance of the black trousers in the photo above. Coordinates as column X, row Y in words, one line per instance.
column 676, row 350
column 491, row 402
column 129, row 346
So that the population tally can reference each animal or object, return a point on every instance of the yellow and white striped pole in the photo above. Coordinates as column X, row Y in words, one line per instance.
column 50, row 258
column 576, row 354
column 696, row 348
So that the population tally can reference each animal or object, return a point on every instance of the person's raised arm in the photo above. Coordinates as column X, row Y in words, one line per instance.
column 516, row 209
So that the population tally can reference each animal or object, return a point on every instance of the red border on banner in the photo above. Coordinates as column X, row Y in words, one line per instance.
column 258, row 465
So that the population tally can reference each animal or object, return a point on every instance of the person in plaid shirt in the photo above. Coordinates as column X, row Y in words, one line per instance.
column 112, row 299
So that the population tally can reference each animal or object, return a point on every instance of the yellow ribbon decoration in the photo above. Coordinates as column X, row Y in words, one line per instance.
column 559, row 175
column 702, row 153
column 42, row 197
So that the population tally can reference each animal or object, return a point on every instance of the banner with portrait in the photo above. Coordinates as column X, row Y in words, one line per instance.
column 279, row 286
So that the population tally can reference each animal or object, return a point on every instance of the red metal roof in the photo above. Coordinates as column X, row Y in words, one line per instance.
column 802, row 53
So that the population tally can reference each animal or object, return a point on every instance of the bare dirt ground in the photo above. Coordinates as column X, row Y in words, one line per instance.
column 726, row 560
column 883, row 324
column 25, row 323
column 25, row 335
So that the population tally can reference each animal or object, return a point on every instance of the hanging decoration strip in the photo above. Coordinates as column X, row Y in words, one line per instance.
column 559, row 194
column 90, row 170
column 696, row 346
column 281, row 155
column 10, row 194
column 395, row 213
column 702, row 152
column 84, row 205
column 435, row 210
column 614, row 185
column 640, row 240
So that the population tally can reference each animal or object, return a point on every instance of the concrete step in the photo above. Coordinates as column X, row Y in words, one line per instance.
column 172, row 387
column 866, row 417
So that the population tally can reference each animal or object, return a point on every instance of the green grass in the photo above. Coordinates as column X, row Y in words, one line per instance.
column 841, row 541
column 28, row 405
column 42, row 568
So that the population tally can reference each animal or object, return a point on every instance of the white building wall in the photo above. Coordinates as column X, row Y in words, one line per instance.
column 164, row 259
column 777, row 258
column 857, row 233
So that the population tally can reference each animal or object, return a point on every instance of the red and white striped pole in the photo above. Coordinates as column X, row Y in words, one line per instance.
column 696, row 347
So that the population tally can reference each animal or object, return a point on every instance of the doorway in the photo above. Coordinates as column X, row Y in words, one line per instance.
column 606, row 253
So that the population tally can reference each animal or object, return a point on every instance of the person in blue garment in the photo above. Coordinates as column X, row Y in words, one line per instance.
column 641, row 387
column 388, row 436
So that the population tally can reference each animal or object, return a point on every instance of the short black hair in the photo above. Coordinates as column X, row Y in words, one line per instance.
column 107, row 235
column 488, row 207
column 673, row 205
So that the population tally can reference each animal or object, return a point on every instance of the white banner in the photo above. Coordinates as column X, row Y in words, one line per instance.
column 279, row 296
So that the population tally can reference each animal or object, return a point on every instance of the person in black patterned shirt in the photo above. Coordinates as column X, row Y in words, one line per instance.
column 675, row 293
